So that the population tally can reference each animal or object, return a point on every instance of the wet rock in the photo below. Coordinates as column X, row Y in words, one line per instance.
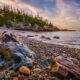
column 43, row 63
column 20, row 76
column 36, row 35
column 30, row 35
column 29, row 60
column 8, row 37
column 11, row 72
column 36, row 70
column 30, row 77
column 43, row 37
column 48, row 38
column 2, row 64
column 56, row 37
column 74, row 60
column 15, row 78
column 16, row 67
column 9, row 68
column 24, row 70
column 8, row 55
column 14, row 74
column 14, row 50
column 1, row 71
column 7, row 76
column 1, row 75
column 29, row 64
column 0, row 59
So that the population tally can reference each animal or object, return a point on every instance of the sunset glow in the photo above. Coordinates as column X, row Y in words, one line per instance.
column 62, row 13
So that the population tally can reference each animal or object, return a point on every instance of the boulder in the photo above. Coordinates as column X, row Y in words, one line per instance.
column 48, row 38
column 7, row 37
column 56, row 37
column 8, row 55
column 30, row 35
column 24, row 70
column 13, row 48
column 43, row 37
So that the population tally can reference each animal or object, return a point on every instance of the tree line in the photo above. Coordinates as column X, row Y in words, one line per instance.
column 14, row 17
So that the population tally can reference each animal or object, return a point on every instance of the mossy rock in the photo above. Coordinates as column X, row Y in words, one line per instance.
column 8, row 55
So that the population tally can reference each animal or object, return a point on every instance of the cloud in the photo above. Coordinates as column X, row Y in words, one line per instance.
column 67, row 16
column 24, row 6
column 62, row 13
column 33, row 7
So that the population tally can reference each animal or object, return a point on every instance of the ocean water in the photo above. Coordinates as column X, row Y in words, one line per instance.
column 67, row 38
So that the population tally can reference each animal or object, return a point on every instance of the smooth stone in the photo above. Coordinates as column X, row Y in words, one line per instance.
column 25, row 70
column 43, row 63
column 15, row 78
column 1, row 75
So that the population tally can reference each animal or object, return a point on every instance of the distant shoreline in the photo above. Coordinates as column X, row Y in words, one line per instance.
column 33, row 30
column 26, row 40
column 16, row 32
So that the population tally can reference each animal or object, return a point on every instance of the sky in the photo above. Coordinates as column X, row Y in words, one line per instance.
column 64, row 14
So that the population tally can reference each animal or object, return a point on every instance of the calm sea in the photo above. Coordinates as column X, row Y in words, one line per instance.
column 67, row 38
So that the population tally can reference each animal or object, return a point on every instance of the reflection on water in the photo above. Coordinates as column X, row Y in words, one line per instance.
column 67, row 38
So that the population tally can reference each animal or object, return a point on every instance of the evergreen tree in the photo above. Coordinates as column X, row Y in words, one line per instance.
column 11, row 16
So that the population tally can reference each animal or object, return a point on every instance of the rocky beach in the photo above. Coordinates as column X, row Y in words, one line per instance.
column 22, row 58
column 39, row 40
column 64, row 55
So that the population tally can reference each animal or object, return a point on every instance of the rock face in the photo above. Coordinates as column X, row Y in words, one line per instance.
column 24, row 70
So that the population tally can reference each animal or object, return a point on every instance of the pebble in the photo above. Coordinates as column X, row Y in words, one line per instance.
column 47, row 58
column 20, row 76
column 1, row 75
column 24, row 70
column 15, row 78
